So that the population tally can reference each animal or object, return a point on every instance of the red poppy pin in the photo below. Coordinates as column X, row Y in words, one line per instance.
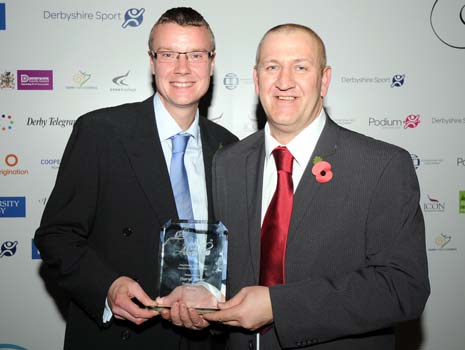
column 322, row 170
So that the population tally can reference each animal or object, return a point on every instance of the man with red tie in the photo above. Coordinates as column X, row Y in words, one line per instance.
column 326, row 237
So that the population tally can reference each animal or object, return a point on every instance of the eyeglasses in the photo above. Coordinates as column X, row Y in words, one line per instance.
column 173, row 56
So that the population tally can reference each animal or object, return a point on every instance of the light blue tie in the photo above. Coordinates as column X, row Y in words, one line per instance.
column 178, row 177
column 180, row 186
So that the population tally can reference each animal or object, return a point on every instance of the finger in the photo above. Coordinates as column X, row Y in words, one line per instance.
column 175, row 316
column 123, row 314
column 219, row 316
column 185, row 316
column 198, row 321
column 137, row 291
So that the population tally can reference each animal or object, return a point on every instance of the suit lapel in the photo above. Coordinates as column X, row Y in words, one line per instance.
column 308, row 186
column 209, row 146
column 147, row 159
column 254, row 186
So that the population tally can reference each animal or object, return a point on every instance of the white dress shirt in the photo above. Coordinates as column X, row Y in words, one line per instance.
column 301, row 148
column 193, row 157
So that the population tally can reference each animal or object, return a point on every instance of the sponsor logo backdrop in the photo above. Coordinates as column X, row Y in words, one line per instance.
column 398, row 75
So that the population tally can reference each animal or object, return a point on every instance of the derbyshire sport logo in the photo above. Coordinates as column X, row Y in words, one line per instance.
column 448, row 22
column 133, row 17
column 396, row 81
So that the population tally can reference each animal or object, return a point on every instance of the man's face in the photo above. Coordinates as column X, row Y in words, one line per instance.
column 181, row 84
column 290, row 82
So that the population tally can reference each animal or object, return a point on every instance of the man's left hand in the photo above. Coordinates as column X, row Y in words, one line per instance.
column 250, row 309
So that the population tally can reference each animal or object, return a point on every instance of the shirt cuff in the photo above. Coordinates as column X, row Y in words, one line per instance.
column 107, row 314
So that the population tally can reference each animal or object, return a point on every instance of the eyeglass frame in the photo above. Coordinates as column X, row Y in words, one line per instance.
column 210, row 55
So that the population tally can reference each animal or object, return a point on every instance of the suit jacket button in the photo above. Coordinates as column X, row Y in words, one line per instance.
column 127, row 231
column 125, row 335
column 251, row 345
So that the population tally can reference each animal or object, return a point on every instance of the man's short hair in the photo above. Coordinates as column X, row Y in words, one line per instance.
column 289, row 27
column 183, row 16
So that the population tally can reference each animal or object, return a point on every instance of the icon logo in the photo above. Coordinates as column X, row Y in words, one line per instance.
column 2, row 17
column 231, row 81
column 398, row 80
column 462, row 202
column 7, row 80
column 412, row 121
column 12, row 207
column 8, row 248
column 448, row 23
column 35, row 80
column 433, row 205
column 6, row 122
column 133, row 17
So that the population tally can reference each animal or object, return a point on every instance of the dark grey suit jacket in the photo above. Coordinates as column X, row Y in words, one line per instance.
column 355, row 259
column 103, row 220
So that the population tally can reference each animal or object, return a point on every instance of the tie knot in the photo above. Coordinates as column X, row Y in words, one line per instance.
column 283, row 159
column 179, row 143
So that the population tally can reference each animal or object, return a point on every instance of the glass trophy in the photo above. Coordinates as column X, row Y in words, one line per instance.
column 193, row 263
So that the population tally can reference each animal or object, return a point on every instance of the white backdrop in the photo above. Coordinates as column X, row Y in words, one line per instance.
column 393, row 61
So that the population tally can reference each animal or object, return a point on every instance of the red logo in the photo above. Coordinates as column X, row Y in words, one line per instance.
column 412, row 121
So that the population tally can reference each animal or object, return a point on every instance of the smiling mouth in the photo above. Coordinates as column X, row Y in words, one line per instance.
column 286, row 98
column 182, row 84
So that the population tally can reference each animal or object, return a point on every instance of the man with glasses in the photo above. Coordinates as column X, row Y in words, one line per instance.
column 99, row 233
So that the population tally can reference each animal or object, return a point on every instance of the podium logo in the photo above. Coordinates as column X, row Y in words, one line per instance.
column 412, row 121
column 12, row 207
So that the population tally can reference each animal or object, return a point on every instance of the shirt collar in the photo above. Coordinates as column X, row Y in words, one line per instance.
column 167, row 126
column 301, row 144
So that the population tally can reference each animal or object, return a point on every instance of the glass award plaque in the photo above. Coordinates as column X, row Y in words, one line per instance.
column 193, row 263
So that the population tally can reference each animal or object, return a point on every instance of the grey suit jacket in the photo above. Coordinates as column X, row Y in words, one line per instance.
column 355, row 259
column 103, row 220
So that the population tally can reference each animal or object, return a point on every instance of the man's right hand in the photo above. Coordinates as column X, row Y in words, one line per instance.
column 119, row 296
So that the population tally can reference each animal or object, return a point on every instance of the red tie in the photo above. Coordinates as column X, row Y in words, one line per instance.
column 273, row 235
